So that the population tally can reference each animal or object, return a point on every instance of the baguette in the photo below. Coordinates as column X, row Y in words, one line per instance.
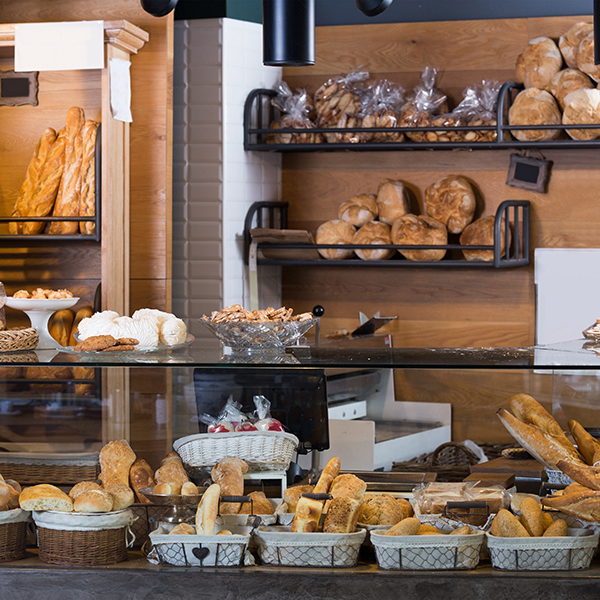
column 206, row 515
column 32, row 176
column 44, row 196
column 581, row 473
column 83, row 313
column 61, row 325
column 588, row 445
column 67, row 199
column 585, row 505
column 329, row 473
column 87, row 203
column 141, row 476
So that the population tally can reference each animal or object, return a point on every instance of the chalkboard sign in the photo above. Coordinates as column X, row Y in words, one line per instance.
column 528, row 173
column 18, row 89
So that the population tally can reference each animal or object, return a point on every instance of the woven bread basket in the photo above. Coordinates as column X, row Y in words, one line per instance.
column 13, row 534
column 19, row 338
column 62, row 469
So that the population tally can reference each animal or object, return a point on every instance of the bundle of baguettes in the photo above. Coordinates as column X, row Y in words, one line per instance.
column 60, row 179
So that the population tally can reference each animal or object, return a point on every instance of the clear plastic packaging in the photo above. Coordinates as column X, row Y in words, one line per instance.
column 295, row 110
column 263, row 421
column 485, row 112
column 382, row 102
column 231, row 418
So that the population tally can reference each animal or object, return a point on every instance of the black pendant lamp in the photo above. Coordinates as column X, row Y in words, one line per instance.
column 158, row 8
column 372, row 8
column 288, row 33
column 597, row 32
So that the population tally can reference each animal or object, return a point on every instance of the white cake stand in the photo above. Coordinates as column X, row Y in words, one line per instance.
column 39, row 313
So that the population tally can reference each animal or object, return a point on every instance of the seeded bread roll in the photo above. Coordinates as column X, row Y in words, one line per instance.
column 83, row 486
column 567, row 81
column 538, row 63
column 481, row 233
column 569, row 42
column 392, row 201
column 585, row 57
column 451, row 201
column 582, row 107
column 342, row 515
column 534, row 106
column 45, row 497
column 359, row 210
column 116, row 459
column 374, row 233
column 419, row 230
column 94, row 501
column 335, row 232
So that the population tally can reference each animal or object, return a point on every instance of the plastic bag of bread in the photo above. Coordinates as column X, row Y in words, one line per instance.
column 381, row 105
column 451, row 201
column 484, row 112
column 539, row 62
column 295, row 109
column 373, row 233
column 585, row 57
column 481, row 233
column 359, row 210
column 393, row 200
column 338, row 103
column 336, row 231
column 567, row 81
column 534, row 107
column 420, row 231
column 459, row 117
column 569, row 42
column 583, row 108
column 425, row 102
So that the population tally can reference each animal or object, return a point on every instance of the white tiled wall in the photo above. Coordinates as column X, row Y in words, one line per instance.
column 217, row 63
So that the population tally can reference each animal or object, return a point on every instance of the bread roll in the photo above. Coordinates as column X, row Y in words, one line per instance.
column 189, row 489
column 534, row 106
column 538, row 63
column 359, row 210
column 582, row 107
column 224, row 532
column 531, row 516
column 206, row 514
column 45, row 497
column 419, row 230
column 229, row 474
column 380, row 509
column 67, row 198
column 83, row 313
column 172, row 472
column 32, row 176
column 451, row 201
column 392, row 200
column 376, row 234
column 569, row 42
column 547, row 520
column 464, row 530
column 61, row 325
column 408, row 526
column 94, row 501
column 342, row 515
column 87, row 204
column 505, row 524
column 116, row 459
column 260, row 505
column 558, row 529
column 122, row 495
column 585, row 57
column 183, row 529
column 83, row 486
column 163, row 489
column 481, row 233
column 292, row 494
column 335, row 232
column 567, row 81
column 427, row 529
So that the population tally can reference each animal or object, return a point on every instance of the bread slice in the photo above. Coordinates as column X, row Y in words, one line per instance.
column 45, row 497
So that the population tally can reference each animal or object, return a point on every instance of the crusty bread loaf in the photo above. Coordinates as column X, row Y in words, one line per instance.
column 531, row 516
column 582, row 107
column 409, row 526
column 45, row 497
column 587, row 444
column 583, row 474
column 348, row 486
column 342, row 515
column 374, row 233
column 380, row 509
column 308, row 515
column 292, row 494
column 87, row 203
column 121, row 495
column 558, row 529
column 67, row 198
column 32, row 176
column 42, row 199
column 583, row 503
column 260, row 505
column 189, row 489
column 451, row 201
column 116, row 459
column 569, row 42
column 5, row 495
column 422, row 231
column 585, row 57
column 481, row 233
column 229, row 474
column 173, row 472
column 183, row 529
column 392, row 200
column 336, row 231
column 328, row 474
column 567, row 81
column 505, row 524
column 538, row 63
column 534, row 107
column 359, row 210
column 93, row 501
column 83, row 313
column 206, row 514
column 61, row 324
column 83, row 486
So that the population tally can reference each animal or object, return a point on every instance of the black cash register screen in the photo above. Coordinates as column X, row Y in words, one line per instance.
column 298, row 398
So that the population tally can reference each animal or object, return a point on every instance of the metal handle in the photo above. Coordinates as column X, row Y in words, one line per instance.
column 317, row 496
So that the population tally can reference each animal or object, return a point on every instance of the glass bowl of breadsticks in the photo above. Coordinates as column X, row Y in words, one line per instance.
column 263, row 329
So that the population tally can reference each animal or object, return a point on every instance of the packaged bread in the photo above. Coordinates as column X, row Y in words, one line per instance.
column 374, row 233
column 538, row 63
column 582, row 107
column 451, row 201
column 229, row 474
column 585, row 57
column 481, row 233
column 482, row 112
column 382, row 102
column 534, row 106
column 419, row 230
column 45, row 497
column 336, row 231
column 567, row 81
column 359, row 210
column 569, row 42
column 87, row 202
column 116, row 459
column 380, row 509
column 61, row 324
column 392, row 200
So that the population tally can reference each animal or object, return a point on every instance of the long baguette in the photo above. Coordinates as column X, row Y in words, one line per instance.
column 529, row 410
column 588, row 445
column 87, row 203
column 67, row 199
column 581, row 473
column 206, row 514
column 582, row 504
column 32, row 176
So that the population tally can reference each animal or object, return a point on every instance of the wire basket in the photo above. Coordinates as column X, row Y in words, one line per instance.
column 19, row 338
column 65, row 469
column 256, row 335
column 146, row 516
column 262, row 450
column 13, row 534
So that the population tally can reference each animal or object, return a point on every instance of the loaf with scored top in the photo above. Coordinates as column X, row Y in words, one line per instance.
column 87, row 203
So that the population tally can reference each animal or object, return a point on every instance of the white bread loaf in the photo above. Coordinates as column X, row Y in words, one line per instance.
column 83, row 486
column 538, row 63
column 335, row 232
column 359, row 210
column 535, row 107
column 392, row 200
column 94, row 501
column 120, row 494
column 116, row 459
column 206, row 515
column 374, row 233
column 45, row 497
column 451, row 201
column 585, row 57
column 569, row 42
column 420, row 230
column 583, row 108
column 567, row 81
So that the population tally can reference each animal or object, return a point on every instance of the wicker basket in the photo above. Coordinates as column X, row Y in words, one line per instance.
column 13, row 534
column 19, row 338
column 262, row 450
column 62, row 469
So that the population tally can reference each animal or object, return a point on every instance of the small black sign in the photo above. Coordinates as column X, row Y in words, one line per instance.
column 528, row 173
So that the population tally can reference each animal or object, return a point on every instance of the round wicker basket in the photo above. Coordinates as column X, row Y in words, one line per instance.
column 19, row 338
column 13, row 541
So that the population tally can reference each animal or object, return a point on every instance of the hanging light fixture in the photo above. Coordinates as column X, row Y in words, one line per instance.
column 158, row 8
column 288, row 32
column 597, row 32
column 372, row 7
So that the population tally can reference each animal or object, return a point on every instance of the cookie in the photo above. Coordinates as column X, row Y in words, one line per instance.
column 119, row 348
column 95, row 342
column 128, row 342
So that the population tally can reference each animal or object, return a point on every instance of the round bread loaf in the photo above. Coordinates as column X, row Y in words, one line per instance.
column 585, row 57
column 534, row 107
column 451, row 201
column 260, row 505
column 538, row 63
column 419, row 230
column 392, row 200
column 359, row 210
column 45, row 497
column 582, row 107
column 94, row 501
column 408, row 526
column 481, row 233
column 567, row 81
column 335, row 232
column 189, row 489
column 569, row 42
column 380, row 509
column 374, row 233
column 121, row 495
column 83, row 486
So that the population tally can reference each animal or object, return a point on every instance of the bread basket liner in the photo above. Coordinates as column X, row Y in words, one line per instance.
column 279, row 546
column 16, row 515
column 199, row 550
column 565, row 553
